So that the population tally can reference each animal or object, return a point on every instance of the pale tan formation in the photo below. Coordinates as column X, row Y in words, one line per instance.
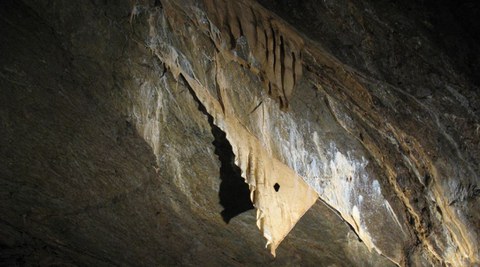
column 277, row 211
column 280, row 196
column 260, row 42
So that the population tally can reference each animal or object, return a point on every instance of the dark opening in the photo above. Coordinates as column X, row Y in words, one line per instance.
column 276, row 187
column 234, row 193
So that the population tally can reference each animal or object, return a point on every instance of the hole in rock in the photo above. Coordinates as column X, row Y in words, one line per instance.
column 234, row 193
column 276, row 187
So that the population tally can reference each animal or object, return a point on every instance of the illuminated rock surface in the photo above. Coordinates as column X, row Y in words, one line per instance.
column 194, row 132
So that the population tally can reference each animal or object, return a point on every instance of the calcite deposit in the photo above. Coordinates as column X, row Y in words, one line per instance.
column 195, row 132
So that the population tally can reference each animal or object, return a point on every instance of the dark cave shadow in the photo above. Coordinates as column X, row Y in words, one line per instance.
column 234, row 193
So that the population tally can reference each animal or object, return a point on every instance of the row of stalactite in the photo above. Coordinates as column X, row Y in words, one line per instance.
column 262, row 43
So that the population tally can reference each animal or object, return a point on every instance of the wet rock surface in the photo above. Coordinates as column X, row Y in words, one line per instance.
column 110, row 155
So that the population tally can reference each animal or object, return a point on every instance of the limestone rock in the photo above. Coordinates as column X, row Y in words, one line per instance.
column 145, row 132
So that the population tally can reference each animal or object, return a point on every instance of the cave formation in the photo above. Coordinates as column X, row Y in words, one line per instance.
column 249, row 132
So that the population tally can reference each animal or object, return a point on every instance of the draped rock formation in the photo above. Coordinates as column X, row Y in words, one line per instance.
column 353, row 126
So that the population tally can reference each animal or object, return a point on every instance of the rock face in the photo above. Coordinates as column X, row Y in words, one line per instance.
column 194, row 132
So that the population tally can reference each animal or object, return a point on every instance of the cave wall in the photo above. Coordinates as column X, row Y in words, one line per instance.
column 111, row 115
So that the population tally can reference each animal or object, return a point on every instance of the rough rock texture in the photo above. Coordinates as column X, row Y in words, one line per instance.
column 132, row 131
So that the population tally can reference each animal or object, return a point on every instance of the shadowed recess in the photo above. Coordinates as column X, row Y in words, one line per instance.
column 234, row 194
